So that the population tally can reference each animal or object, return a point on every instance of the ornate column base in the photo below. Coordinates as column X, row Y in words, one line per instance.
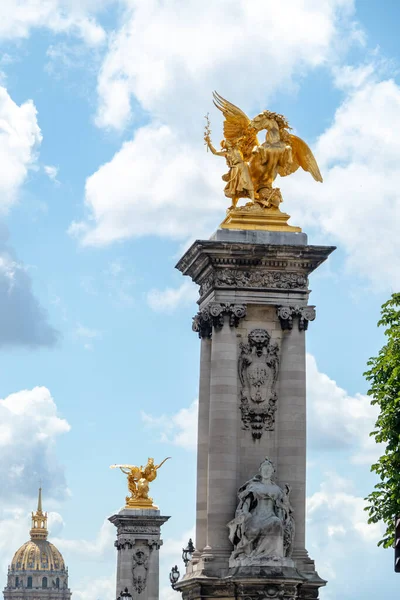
column 252, row 583
column 138, row 543
column 253, row 217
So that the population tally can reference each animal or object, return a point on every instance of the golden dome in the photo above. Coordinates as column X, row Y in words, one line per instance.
column 38, row 555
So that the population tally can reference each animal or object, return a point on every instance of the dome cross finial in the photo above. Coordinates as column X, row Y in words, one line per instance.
column 39, row 507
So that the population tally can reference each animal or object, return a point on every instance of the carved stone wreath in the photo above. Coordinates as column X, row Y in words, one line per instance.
column 259, row 278
column 258, row 372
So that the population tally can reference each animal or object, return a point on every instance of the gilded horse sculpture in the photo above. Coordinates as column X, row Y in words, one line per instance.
column 253, row 167
column 138, row 483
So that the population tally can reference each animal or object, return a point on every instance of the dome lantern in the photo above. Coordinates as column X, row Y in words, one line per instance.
column 39, row 521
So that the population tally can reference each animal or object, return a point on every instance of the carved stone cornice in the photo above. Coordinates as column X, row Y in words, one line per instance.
column 286, row 315
column 204, row 256
column 253, row 279
column 127, row 523
column 213, row 315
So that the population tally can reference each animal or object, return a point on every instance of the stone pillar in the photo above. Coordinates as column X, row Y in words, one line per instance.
column 202, row 443
column 252, row 320
column 223, row 421
column 138, row 543
column 292, row 426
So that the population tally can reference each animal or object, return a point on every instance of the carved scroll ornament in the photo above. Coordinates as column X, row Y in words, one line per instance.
column 213, row 315
column 286, row 315
column 258, row 372
column 123, row 543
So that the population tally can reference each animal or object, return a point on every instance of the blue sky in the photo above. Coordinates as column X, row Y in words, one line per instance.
column 104, row 181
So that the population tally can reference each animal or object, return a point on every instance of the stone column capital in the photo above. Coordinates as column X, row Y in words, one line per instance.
column 213, row 315
column 286, row 315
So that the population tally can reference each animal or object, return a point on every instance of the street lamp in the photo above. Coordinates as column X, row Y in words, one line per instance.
column 124, row 595
column 174, row 576
column 187, row 552
column 397, row 545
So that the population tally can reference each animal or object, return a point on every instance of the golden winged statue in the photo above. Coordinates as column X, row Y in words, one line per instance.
column 253, row 167
column 138, row 483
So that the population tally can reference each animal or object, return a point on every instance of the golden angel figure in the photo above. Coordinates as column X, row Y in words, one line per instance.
column 282, row 153
column 239, row 181
column 138, row 482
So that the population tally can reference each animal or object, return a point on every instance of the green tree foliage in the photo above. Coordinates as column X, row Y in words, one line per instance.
column 384, row 378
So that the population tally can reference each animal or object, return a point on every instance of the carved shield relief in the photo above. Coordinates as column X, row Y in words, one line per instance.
column 258, row 373
column 139, row 569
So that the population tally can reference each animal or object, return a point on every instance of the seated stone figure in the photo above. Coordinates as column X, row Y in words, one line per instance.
column 263, row 528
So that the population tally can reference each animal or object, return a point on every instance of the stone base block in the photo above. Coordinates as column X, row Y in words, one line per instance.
column 252, row 583
column 255, row 217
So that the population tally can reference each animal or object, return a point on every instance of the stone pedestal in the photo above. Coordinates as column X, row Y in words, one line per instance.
column 138, row 543
column 252, row 319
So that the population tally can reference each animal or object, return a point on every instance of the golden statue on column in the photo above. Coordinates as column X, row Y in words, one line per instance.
column 253, row 167
column 138, row 483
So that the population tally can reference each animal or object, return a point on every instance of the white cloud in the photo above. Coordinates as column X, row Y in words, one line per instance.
column 163, row 63
column 157, row 185
column 358, row 204
column 167, row 593
column 170, row 555
column 19, row 17
column 98, row 548
column 116, row 282
column 95, row 588
column 338, row 421
column 119, row 282
column 91, row 554
column 172, row 547
column 168, row 57
column 86, row 332
column 86, row 335
column 169, row 299
column 14, row 526
column 19, row 136
column 51, row 172
column 29, row 427
column 343, row 544
column 179, row 429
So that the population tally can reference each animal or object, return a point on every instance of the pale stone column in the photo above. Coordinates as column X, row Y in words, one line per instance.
column 222, row 452
column 138, row 543
column 266, row 274
column 292, row 426
column 202, row 444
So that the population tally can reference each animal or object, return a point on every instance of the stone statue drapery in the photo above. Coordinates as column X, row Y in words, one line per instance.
column 263, row 527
